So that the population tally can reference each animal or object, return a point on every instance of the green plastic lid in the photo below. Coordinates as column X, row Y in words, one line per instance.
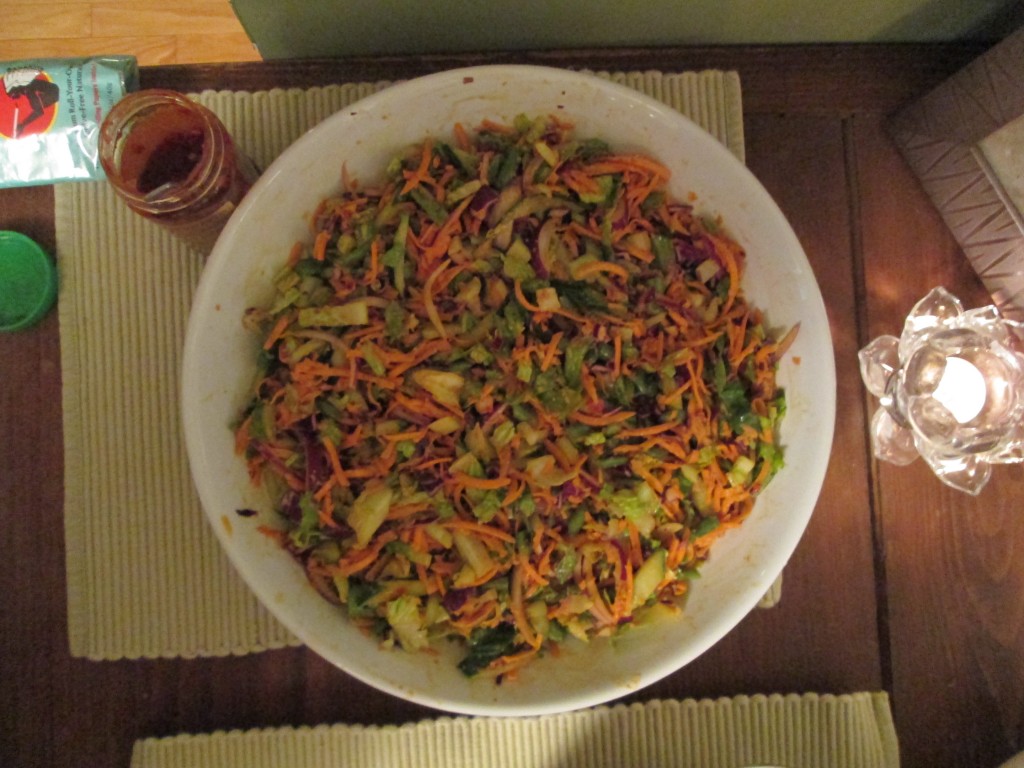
column 28, row 281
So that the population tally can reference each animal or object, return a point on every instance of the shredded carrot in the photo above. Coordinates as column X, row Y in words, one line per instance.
column 422, row 172
column 467, row 481
column 332, row 454
column 277, row 331
column 731, row 255
column 486, row 531
column 414, row 435
column 364, row 558
column 320, row 245
column 644, row 166
column 518, row 611
column 596, row 267
column 518, row 287
column 374, row 270
column 655, row 429
column 603, row 420
column 550, row 352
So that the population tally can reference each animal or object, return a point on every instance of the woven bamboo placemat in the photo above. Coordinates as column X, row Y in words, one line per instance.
column 145, row 576
column 808, row 731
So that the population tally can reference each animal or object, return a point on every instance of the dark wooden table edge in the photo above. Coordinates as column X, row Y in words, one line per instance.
column 811, row 78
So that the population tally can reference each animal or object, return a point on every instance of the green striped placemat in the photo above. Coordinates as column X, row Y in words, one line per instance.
column 145, row 576
column 809, row 731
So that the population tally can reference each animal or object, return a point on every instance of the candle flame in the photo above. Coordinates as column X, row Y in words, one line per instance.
column 961, row 390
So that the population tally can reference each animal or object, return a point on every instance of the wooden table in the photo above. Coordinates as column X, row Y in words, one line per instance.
column 900, row 583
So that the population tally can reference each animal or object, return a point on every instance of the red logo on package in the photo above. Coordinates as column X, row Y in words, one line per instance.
column 28, row 102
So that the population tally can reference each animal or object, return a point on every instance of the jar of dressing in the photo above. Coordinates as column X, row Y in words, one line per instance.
column 172, row 160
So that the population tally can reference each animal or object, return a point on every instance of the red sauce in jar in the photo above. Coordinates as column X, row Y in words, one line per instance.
column 174, row 162
column 162, row 147
column 171, row 161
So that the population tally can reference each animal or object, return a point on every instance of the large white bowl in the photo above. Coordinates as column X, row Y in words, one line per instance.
column 220, row 363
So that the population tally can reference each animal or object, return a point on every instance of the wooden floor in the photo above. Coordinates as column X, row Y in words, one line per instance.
column 155, row 31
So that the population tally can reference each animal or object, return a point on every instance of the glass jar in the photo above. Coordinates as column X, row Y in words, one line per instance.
column 172, row 160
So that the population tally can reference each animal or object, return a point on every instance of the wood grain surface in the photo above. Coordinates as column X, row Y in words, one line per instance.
column 899, row 584
column 155, row 31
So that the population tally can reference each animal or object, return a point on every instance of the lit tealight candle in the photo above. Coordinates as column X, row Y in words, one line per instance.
column 961, row 390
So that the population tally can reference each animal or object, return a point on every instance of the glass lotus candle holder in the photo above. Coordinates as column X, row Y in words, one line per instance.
column 951, row 390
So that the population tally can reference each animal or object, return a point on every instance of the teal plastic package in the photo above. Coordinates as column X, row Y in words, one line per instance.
column 50, row 116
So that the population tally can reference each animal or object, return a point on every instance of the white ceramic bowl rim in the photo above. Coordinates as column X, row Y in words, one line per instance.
column 219, row 364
